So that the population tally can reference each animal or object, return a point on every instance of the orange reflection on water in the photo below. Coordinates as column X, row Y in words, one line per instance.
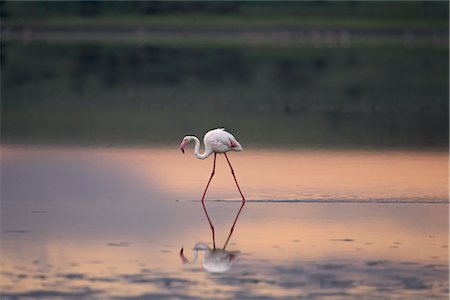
column 303, row 174
column 310, row 231
column 279, row 174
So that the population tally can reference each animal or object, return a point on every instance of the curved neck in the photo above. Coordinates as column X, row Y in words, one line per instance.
column 197, row 153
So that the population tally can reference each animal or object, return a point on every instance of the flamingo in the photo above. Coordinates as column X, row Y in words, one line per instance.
column 215, row 141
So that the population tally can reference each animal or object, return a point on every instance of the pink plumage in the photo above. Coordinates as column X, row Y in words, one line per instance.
column 215, row 141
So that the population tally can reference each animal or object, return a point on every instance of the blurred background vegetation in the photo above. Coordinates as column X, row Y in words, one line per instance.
column 319, row 73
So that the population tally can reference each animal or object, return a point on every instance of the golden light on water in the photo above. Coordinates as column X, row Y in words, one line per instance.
column 282, row 174
column 297, row 175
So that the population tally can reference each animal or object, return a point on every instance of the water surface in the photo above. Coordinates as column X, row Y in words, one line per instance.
column 110, row 223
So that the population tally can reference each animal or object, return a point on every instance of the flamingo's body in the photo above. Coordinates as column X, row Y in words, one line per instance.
column 216, row 141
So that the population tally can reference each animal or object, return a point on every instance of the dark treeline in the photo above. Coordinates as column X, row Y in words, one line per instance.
column 148, row 93
column 296, row 80
column 383, row 9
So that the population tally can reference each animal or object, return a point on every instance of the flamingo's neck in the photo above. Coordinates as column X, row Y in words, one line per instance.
column 197, row 153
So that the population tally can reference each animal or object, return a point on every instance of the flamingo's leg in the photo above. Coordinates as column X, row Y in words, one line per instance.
column 235, row 180
column 212, row 174
column 203, row 201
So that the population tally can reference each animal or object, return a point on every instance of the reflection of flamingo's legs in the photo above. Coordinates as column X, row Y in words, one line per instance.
column 243, row 202
column 232, row 172
column 234, row 223
column 203, row 201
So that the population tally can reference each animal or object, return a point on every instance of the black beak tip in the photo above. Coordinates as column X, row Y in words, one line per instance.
column 182, row 150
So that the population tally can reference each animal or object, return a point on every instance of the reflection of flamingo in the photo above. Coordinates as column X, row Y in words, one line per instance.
column 215, row 260
column 216, row 141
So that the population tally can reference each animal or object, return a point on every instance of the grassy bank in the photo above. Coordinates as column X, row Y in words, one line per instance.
column 306, row 73
column 106, row 93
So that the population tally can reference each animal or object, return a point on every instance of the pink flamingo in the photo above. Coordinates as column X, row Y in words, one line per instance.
column 215, row 141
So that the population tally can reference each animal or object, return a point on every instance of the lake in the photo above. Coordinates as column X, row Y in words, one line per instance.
column 109, row 222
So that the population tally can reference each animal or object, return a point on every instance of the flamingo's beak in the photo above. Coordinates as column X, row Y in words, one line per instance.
column 183, row 145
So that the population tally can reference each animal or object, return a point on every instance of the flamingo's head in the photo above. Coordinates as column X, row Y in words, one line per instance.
column 184, row 143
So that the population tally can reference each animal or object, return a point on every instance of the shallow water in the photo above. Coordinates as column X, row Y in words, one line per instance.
column 110, row 223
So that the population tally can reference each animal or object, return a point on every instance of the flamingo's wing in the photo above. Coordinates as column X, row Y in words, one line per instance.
column 220, row 140
column 217, row 138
